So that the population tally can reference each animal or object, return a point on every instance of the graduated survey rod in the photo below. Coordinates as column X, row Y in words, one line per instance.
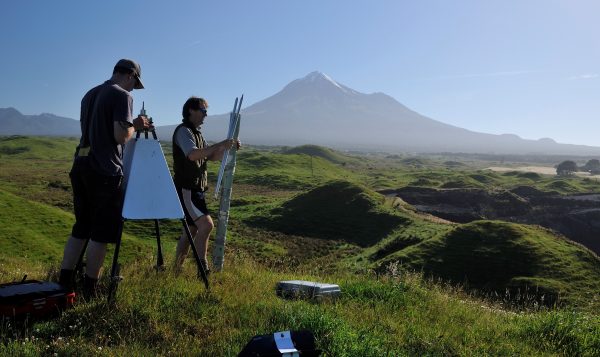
column 233, row 123
column 232, row 119
column 225, row 192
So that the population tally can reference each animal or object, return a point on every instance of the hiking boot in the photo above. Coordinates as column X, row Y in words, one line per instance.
column 90, row 288
column 66, row 279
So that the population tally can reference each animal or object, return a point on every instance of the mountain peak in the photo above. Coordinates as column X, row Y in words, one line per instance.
column 320, row 79
column 9, row 111
column 317, row 76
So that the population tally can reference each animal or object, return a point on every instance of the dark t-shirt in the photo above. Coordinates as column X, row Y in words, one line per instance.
column 104, row 105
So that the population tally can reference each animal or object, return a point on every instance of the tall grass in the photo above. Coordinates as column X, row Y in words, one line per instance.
column 398, row 314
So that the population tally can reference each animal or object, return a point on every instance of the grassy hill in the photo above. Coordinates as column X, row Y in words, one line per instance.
column 166, row 314
column 490, row 256
column 36, row 147
column 320, row 151
column 286, row 171
column 336, row 210
column 35, row 232
column 500, row 256
column 290, row 223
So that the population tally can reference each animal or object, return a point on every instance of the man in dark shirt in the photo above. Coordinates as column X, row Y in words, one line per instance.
column 96, row 176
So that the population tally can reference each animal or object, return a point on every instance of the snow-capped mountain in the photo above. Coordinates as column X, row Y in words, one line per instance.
column 316, row 109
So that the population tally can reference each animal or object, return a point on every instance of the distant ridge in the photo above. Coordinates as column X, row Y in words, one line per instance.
column 12, row 122
column 318, row 110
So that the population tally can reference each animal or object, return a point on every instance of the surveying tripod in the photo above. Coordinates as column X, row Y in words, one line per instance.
column 115, row 276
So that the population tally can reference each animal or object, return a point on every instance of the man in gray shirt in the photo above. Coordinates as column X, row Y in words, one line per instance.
column 190, row 155
column 96, row 176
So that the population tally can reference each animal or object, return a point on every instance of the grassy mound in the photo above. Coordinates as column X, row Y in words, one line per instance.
column 37, row 147
column 562, row 186
column 424, row 182
column 486, row 179
column 530, row 175
column 283, row 171
column 318, row 151
column 454, row 164
column 494, row 256
column 414, row 162
column 33, row 231
column 337, row 210
column 462, row 182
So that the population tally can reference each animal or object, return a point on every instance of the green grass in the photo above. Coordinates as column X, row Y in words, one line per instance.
column 32, row 147
column 322, row 152
column 487, row 255
column 338, row 210
column 163, row 314
column 285, row 171
column 325, row 224
column 496, row 256
column 34, row 232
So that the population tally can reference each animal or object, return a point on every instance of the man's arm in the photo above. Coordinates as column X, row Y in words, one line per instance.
column 214, row 152
column 124, row 130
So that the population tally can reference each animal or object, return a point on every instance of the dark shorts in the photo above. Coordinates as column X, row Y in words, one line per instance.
column 193, row 203
column 97, row 201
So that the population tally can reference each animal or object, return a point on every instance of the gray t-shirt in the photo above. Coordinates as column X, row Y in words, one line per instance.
column 184, row 138
column 112, row 104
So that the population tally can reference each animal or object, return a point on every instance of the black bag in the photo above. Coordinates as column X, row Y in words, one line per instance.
column 34, row 298
column 266, row 345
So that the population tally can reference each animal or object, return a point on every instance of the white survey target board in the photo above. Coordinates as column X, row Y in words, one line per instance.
column 149, row 189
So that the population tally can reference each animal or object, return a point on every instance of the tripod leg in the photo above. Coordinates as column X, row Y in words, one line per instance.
column 159, row 259
column 196, row 256
column 114, row 273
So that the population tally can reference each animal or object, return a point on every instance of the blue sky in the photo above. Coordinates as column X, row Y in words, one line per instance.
column 531, row 68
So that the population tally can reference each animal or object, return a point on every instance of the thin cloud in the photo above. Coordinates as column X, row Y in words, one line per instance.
column 482, row 75
column 584, row 76
column 194, row 44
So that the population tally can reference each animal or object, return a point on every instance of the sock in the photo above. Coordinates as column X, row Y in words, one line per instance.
column 204, row 263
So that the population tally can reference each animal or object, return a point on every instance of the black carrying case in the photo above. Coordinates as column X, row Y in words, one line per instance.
column 34, row 298
column 265, row 345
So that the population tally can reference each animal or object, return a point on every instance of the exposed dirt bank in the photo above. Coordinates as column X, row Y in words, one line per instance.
column 576, row 216
column 542, row 170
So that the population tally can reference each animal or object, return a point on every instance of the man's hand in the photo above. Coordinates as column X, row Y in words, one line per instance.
column 228, row 144
column 141, row 123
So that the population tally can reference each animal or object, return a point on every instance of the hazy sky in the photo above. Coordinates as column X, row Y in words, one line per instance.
column 531, row 68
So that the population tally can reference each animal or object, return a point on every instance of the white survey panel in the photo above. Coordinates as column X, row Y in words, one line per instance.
column 149, row 189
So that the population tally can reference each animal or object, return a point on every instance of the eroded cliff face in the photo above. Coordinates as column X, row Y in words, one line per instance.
column 575, row 216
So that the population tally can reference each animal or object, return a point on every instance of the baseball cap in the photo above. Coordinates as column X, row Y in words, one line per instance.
column 135, row 68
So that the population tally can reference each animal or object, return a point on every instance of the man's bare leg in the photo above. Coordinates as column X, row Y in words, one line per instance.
column 96, row 252
column 72, row 252
column 71, row 255
column 183, row 246
column 204, row 225
column 200, row 233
